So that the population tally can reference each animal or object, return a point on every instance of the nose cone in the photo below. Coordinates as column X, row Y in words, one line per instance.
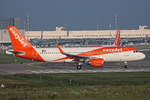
column 141, row 56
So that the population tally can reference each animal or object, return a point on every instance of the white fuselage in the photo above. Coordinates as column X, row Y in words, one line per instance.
column 52, row 54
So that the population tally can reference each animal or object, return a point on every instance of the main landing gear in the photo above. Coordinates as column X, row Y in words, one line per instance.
column 125, row 65
column 79, row 66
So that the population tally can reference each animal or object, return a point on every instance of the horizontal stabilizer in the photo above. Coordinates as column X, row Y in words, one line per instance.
column 15, row 52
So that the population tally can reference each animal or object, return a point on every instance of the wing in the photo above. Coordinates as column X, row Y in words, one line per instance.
column 96, row 62
column 75, row 57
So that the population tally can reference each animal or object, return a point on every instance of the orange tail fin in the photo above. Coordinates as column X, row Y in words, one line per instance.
column 21, row 47
column 17, row 40
column 117, row 39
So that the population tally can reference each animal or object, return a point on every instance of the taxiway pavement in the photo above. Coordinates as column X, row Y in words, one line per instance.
column 38, row 67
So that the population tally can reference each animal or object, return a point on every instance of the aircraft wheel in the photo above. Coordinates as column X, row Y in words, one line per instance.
column 79, row 67
column 126, row 66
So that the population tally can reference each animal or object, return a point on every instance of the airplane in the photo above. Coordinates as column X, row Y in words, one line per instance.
column 94, row 56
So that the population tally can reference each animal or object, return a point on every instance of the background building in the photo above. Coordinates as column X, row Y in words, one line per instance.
column 5, row 22
column 60, row 33
column 82, row 37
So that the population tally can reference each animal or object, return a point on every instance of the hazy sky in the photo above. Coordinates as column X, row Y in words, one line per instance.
column 79, row 14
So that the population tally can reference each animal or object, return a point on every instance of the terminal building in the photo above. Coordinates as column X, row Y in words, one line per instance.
column 60, row 33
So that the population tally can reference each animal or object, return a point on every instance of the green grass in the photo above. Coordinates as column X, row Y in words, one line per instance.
column 8, row 59
column 77, row 86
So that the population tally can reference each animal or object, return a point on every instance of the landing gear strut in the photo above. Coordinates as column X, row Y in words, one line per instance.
column 125, row 65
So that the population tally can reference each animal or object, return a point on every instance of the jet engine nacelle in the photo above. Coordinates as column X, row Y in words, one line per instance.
column 96, row 62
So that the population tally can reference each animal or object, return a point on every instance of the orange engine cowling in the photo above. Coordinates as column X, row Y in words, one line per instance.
column 97, row 62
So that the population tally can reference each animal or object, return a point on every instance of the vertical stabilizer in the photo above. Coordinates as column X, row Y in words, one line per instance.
column 17, row 40
column 117, row 39
column 21, row 47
